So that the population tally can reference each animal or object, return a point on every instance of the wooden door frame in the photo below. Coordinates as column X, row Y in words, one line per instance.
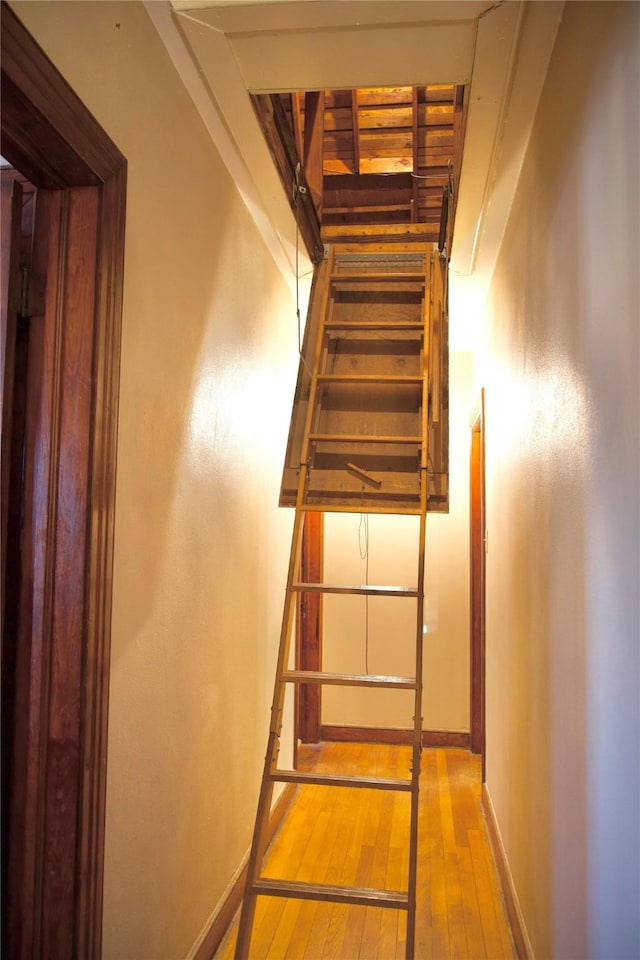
column 50, row 136
column 477, row 540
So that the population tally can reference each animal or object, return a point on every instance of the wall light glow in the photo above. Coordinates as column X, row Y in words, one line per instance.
column 547, row 414
column 237, row 414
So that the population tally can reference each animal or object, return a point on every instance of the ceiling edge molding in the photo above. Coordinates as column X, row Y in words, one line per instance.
column 495, row 54
column 160, row 14
column 469, row 289
column 476, row 244
column 256, row 16
column 535, row 46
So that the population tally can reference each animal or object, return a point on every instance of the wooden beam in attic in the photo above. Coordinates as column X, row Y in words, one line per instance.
column 313, row 146
column 279, row 134
column 386, row 232
column 355, row 123
column 297, row 100
column 386, row 124
column 340, row 144
column 415, row 200
column 367, row 198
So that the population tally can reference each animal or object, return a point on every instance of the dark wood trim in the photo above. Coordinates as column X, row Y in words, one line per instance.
column 430, row 738
column 34, row 632
column 99, row 555
column 477, row 568
column 47, row 132
column 15, row 355
column 66, row 567
column 445, row 738
column 227, row 910
column 80, row 175
column 514, row 914
column 10, row 279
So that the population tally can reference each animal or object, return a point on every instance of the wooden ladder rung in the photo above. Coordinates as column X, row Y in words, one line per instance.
column 388, row 325
column 372, row 378
column 365, row 896
column 353, row 505
column 335, row 780
column 368, row 208
column 361, row 438
column 364, row 590
column 348, row 679
column 364, row 277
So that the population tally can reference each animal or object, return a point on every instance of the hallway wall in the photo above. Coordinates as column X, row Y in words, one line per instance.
column 209, row 362
column 561, row 369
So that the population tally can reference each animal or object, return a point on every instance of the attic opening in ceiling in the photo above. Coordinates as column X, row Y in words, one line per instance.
column 375, row 164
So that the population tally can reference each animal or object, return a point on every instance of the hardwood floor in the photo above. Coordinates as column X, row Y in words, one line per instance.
column 360, row 837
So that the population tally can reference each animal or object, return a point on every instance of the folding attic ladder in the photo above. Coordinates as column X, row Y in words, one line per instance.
column 358, row 443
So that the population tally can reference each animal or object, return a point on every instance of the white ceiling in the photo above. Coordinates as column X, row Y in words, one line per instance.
column 224, row 50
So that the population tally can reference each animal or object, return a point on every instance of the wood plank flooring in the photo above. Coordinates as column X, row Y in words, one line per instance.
column 360, row 837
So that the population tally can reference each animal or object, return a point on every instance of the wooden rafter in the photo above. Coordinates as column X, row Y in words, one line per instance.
column 280, row 139
column 415, row 200
column 355, row 122
column 313, row 145
column 296, row 113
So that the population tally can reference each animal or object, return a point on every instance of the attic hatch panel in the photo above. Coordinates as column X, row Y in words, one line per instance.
column 375, row 321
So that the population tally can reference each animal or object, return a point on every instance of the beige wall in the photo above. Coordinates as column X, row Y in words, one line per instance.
column 393, row 558
column 561, row 369
column 201, row 548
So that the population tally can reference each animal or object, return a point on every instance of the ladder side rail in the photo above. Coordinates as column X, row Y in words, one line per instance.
column 258, row 843
column 313, row 407
column 417, row 717
column 434, row 358
column 417, row 732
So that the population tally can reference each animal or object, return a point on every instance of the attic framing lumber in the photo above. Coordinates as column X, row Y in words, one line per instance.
column 281, row 142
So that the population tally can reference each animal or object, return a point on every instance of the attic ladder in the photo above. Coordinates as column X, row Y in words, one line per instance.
column 371, row 338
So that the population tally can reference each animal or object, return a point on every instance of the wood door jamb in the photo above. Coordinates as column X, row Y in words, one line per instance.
column 50, row 136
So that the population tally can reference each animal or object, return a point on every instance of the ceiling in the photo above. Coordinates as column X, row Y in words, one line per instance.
column 497, row 53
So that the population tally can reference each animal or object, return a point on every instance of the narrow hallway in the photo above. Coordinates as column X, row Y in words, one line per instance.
column 342, row 836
